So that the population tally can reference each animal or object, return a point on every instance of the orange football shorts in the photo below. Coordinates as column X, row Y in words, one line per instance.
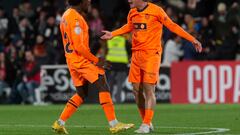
column 86, row 72
column 145, row 66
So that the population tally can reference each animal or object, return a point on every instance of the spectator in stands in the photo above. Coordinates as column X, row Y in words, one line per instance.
column 14, row 20
column 27, row 11
column 49, row 6
column 172, row 51
column 177, row 3
column 233, row 18
column 220, row 22
column 228, row 50
column 42, row 56
column 39, row 49
column 26, row 32
column 191, row 7
column 96, row 27
column 16, row 14
column 233, row 15
column 41, row 23
column 30, row 80
column 2, row 66
column 4, row 24
column 95, row 23
column 59, row 16
column 10, row 51
column 189, row 23
column 206, row 35
column 3, row 84
column 51, row 31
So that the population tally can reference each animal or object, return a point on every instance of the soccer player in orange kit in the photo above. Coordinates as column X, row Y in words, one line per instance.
column 145, row 21
column 84, row 67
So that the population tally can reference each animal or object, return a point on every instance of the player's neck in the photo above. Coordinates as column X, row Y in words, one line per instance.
column 78, row 9
column 142, row 6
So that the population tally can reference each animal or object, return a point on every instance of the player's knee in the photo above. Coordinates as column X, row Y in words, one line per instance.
column 148, row 88
column 149, row 93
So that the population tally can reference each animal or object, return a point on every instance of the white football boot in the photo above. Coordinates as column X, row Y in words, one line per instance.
column 143, row 129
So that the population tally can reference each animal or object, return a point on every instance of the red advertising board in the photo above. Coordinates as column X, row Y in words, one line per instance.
column 205, row 82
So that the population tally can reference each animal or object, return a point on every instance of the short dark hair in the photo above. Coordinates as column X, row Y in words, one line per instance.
column 74, row 2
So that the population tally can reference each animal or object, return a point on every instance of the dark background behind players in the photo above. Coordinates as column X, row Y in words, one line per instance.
column 33, row 25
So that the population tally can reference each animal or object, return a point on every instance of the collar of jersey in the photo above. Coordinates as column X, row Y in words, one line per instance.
column 143, row 8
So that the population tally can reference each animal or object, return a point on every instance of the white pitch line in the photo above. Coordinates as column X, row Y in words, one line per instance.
column 213, row 130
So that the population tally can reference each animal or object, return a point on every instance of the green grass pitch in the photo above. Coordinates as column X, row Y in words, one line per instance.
column 90, row 120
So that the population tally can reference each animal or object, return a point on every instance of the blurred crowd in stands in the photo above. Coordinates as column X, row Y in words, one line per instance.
column 29, row 37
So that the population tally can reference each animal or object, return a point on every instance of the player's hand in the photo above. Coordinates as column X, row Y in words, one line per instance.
column 102, row 63
column 106, row 35
column 197, row 45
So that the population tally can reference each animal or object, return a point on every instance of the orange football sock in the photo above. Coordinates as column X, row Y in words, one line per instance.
column 148, row 116
column 71, row 107
column 142, row 112
column 107, row 105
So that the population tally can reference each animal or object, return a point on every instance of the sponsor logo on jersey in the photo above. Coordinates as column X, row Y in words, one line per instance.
column 140, row 26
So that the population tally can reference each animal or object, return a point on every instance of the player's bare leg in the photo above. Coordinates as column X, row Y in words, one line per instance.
column 139, row 98
column 150, row 102
column 108, row 107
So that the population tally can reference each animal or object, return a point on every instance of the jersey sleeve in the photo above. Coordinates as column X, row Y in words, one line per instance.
column 125, row 28
column 78, row 38
column 166, row 21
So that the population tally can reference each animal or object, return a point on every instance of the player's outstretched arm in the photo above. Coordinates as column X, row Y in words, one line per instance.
column 163, row 17
column 182, row 33
column 109, row 35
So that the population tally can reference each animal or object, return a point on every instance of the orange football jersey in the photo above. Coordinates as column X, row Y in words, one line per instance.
column 74, row 30
column 146, row 27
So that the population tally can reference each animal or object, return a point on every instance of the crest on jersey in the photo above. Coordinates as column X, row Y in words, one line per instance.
column 147, row 16
column 77, row 30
